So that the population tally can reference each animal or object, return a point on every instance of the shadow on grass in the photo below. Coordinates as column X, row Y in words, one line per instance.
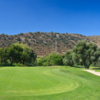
column 96, row 68
column 6, row 65
column 78, row 66
column 15, row 65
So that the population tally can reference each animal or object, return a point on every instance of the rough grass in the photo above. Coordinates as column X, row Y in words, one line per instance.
column 48, row 83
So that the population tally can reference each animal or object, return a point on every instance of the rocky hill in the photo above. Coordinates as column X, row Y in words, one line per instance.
column 43, row 43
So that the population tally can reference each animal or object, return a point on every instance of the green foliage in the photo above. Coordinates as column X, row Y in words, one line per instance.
column 86, row 53
column 56, row 60
column 3, row 55
column 14, row 53
column 98, row 62
column 17, row 53
column 28, row 56
column 51, row 59
column 68, row 58
column 18, row 39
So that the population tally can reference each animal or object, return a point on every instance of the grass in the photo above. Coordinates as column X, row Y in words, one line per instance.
column 48, row 83
column 97, row 69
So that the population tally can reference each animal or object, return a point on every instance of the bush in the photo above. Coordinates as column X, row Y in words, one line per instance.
column 56, row 60
column 18, row 39
column 49, row 60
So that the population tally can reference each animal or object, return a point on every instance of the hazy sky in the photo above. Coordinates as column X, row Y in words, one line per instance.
column 72, row 16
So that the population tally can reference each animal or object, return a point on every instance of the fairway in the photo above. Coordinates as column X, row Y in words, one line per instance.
column 48, row 83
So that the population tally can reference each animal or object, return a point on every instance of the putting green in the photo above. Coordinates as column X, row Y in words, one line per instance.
column 34, row 81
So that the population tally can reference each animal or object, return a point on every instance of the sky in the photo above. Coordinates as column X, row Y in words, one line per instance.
column 71, row 16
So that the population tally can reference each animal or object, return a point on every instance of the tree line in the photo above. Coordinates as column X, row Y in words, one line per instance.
column 83, row 54
column 17, row 53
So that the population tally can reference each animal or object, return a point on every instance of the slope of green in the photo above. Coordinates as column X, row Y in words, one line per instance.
column 48, row 83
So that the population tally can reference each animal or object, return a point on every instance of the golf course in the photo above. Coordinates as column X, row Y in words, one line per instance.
column 48, row 83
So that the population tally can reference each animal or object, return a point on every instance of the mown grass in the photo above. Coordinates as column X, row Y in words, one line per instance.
column 48, row 83
column 97, row 69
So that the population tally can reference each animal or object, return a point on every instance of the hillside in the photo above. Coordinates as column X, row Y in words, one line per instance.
column 43, row 43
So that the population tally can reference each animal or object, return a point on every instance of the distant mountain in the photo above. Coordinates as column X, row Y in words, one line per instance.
column 43, row 43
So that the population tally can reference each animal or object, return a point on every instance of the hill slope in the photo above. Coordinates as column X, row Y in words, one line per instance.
column 43, row 43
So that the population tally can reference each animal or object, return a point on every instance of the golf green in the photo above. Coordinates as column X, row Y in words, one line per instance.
column 46, row 83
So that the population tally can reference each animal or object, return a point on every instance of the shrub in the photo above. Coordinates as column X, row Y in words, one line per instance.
column 49, row 60
column 56, row 60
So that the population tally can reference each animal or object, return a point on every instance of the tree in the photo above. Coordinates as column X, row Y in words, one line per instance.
column 97, row 63
column 28, row 56
column 3, row 55
column 68, row 58
column 14, row 53
column 17, row 53
column 86, row 53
